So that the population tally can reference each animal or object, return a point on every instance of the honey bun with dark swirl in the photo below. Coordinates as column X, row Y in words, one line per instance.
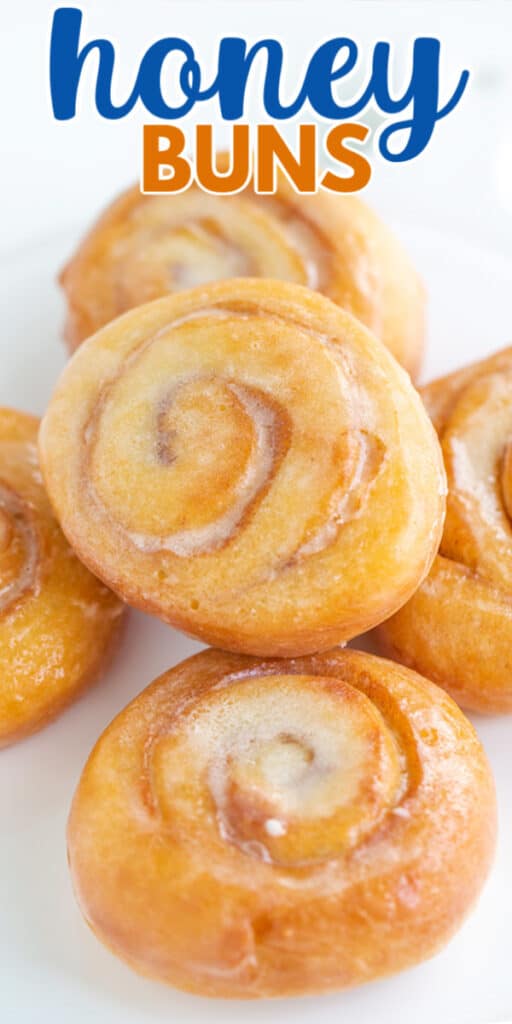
column 58, row 624
column 249, row 828
column 246, row 461
column 144, row 247
column 457, row 628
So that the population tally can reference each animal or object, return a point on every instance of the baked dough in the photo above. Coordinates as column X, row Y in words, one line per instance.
column 58, row 624
column 256, row 828
column 252, row 466
column 144, row 247
column 457, row 629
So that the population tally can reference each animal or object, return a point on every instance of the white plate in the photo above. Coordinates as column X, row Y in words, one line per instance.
column 52, row 969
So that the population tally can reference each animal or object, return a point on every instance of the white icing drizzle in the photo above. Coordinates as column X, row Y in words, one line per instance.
column 274, row 827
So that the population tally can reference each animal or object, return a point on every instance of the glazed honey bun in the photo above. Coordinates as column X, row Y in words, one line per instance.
column 457, row 628
column 58, row 623
column 257, row 828
column 253, row 467
column 144, row 247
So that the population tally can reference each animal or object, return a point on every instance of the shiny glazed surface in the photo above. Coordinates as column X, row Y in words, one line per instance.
column 58, row 624
column 144, row 247
column 254, row 467
column 457, row 628
column 252, row 828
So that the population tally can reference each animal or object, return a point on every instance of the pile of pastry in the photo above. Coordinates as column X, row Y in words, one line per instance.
column 235, row 448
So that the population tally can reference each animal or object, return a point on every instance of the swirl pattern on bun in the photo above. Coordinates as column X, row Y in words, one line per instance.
column 58, row 624
column 144, row 247
column 252, row 828
column 457, row 628
column 254, row 467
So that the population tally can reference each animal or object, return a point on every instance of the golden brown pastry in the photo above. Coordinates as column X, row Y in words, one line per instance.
column 58, row 624
column 144, row 247
column 256, row 828
column 253, row 467
column 457, row 629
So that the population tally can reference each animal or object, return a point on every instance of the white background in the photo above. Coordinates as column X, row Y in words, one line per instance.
column 453, row 207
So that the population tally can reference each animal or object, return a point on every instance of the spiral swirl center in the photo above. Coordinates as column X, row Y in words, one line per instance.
column 212, row 407
column 189, row 245
column 287, row 769
column 284, row 762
